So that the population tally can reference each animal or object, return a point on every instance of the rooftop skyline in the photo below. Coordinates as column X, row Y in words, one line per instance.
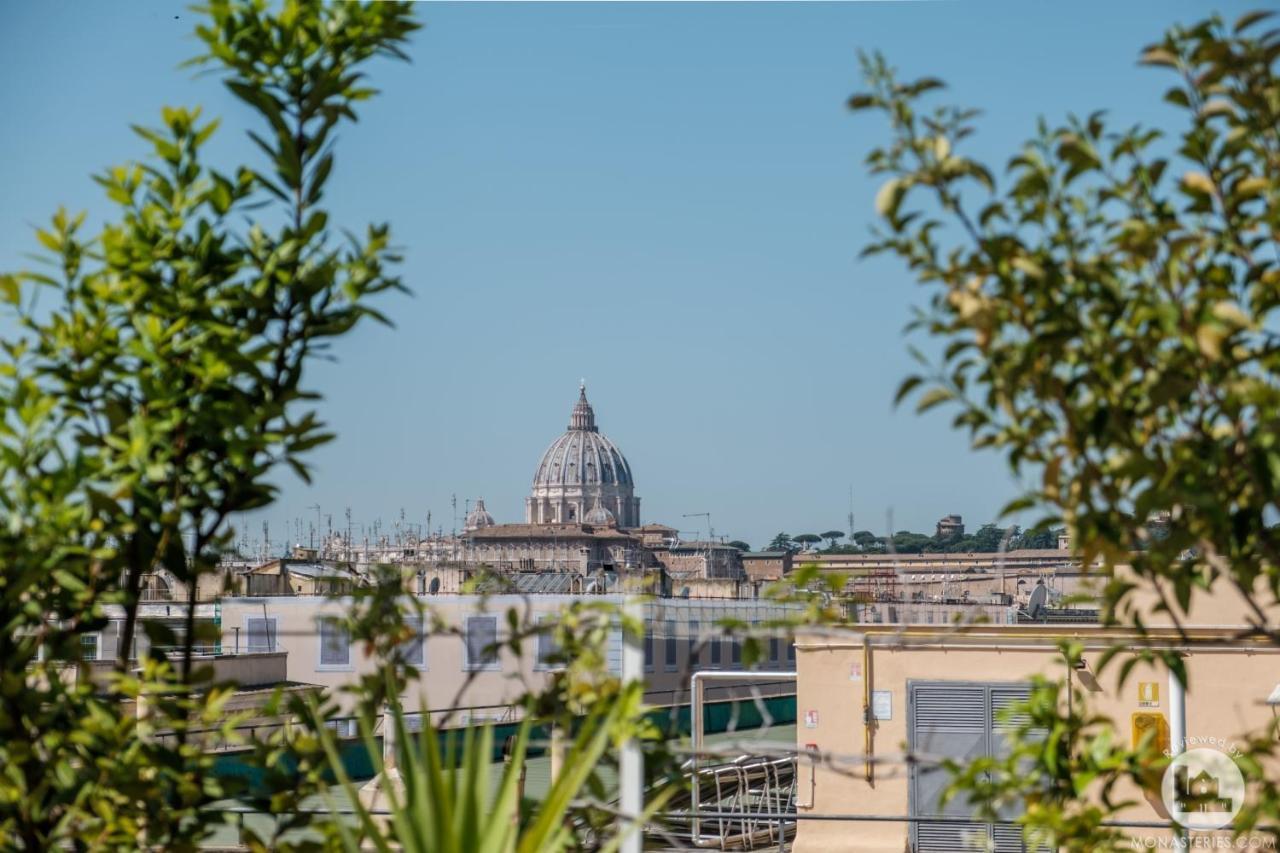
column 665, row 200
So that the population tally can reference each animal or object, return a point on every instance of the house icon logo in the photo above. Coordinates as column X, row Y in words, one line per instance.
column 1203, row 789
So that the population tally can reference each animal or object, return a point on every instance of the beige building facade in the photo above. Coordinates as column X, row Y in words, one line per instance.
column 868, row 699
column 467, row 672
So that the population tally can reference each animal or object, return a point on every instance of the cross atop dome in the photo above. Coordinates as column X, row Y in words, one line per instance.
column 583, row 417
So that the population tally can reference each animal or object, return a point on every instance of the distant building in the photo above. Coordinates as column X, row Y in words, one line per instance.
column 950, row 527
column 582, row 515
column 868, row 692
column 766, row 565
column 468, row 672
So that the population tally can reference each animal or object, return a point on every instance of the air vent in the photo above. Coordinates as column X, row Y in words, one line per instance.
column 950, row 837
column 961, row 709
column 1003, row 698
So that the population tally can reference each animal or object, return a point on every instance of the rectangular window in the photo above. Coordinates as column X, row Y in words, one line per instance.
column 346, row 727
column 335, row 643
column 414, row 649
column 548, row 648
column 260, row 634
column 694, row 653
column 671, row 645
column 482, row 642
column 774, row 651
column 791, row 651
column 89, row 646
column 648, row 650
column 715, row 651
column 735, row 651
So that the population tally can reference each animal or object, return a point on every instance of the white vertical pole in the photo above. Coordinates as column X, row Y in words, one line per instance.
column 1177, row 716
column 1178, row 732
column 388, row 740
column 695, row 736
column 632, row 759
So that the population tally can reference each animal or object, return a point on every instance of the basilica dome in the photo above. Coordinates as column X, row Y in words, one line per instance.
column 478, row 517
column 599, row 515
column 580, row 469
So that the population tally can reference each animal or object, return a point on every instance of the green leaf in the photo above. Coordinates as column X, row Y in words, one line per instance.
column 889, row 198
column 1156, row 55
column 932, row 397
column 907, row 386
column 1248, row 19
column 1197, row 182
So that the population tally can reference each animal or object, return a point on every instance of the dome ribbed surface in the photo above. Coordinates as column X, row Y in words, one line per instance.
column 582, row 455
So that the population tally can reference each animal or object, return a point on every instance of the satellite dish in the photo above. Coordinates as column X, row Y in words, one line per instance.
column 1039, row 595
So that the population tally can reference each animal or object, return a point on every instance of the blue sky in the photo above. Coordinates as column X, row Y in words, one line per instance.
column 664, row 199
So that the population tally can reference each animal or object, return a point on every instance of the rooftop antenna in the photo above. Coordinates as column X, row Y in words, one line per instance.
column 318, row 526
column 892, row 551
column 711, row 531
column 851, row 531
column 453, row 502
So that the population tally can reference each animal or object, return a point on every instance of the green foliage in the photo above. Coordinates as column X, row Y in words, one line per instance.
column 781, row 542
column 867, row 539
column 1109, row 319
column 739, row 544
column 153, row 387
column 803, row 539
column 433, row 807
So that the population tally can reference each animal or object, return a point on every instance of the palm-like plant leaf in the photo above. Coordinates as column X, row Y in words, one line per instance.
column 444, row 806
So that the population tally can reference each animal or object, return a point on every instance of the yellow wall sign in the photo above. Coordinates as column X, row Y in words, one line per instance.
column 1148, row 721
column 1148, row 694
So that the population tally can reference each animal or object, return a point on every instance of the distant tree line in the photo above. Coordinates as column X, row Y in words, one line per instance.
column 987, row 539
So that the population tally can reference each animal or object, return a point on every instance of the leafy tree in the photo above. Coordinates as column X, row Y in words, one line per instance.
column 865, row 538
column 740, row 545
column 1039, row 538
column 989, row 537
column 154, row 386
column 805, row 539
column 906, row 542
column 781, row 542
column 831, row 536
column 1109, row 324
